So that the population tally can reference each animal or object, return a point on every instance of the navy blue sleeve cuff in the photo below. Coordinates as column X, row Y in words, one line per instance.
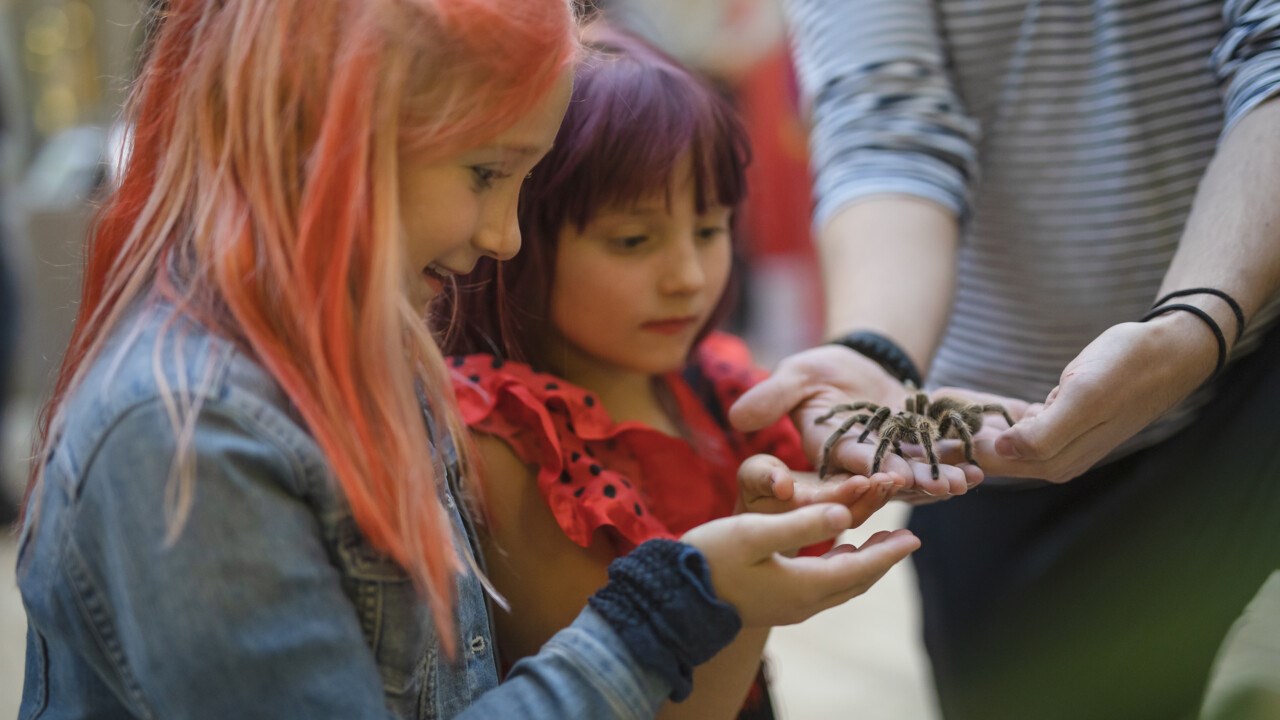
column 660, row 600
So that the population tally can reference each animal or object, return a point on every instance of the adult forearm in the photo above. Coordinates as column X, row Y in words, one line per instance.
column 1133, row 373
column 1232, row 237
column 888, row 265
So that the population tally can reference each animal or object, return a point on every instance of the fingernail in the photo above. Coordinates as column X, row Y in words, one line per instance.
column 1005, row 448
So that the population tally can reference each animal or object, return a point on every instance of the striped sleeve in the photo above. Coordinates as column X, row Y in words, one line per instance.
column 884, row 115
column 1247, row 59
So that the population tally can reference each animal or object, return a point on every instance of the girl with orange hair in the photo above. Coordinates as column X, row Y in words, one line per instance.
column 245, row 500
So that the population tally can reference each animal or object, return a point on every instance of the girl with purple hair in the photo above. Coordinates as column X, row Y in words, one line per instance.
column 589, row 370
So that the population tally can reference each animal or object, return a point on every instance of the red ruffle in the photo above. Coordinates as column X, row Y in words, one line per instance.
column 633, row 480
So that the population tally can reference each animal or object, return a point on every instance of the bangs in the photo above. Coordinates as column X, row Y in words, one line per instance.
column 634, row 115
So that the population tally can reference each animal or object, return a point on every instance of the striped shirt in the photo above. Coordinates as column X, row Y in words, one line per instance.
column 1069, row 136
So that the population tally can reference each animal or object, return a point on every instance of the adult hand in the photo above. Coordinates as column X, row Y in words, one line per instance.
column 1126, row 378
column 749, row 570
column 767, row 485
column 810, row 383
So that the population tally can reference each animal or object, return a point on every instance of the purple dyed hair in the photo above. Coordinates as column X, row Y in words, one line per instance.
column 634, row 114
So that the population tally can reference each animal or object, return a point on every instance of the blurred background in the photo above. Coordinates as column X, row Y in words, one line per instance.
column 64, row 70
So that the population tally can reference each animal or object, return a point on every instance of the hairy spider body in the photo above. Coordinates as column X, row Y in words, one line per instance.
column 921, row 421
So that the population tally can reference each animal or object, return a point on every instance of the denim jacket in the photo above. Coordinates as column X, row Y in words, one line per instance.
column 270, row 602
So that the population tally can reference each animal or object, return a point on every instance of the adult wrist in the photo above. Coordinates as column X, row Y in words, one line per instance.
column 1192, row 294
column 1209, row 309
column 885, row 353
column 661, row 602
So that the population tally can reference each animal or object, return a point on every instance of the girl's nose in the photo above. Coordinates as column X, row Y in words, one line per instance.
column 499, row 237
column 685, row 274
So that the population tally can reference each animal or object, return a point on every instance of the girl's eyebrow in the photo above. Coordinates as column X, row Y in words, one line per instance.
column 507, row 151
column 526, row 150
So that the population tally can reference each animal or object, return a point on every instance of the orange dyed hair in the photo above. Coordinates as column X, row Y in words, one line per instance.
column 260, row 196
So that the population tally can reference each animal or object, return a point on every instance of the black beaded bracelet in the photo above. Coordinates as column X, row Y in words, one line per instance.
column 885, row 352
column 1208, row 320
column 1230, row 301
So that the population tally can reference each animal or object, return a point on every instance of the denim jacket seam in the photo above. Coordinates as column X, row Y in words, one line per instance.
column 94, row 615
column 266, row 426
column 310, row 467
column 609, row 690
column 222, row 396
column 40, row 703
column 257, row 427
column 115, row 416
column 426, row 696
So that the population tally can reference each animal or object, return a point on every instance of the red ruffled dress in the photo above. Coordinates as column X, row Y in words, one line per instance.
column 635, row 482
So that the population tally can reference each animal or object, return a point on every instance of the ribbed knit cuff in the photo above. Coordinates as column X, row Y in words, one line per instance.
column 662, row 604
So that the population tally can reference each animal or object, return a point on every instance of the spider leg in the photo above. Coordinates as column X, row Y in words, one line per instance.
column 922, row 404
column 876, row 421
column 927, row 442
column 890, row 436
column 848, row 407
column 996, row 407
column 956, row 421
column 835, row 438
column 944, row 425
column 836, row 410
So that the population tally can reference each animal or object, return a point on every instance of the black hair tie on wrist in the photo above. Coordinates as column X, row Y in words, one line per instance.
column 1208, row 320
column 885, row 352
column 1235, row 306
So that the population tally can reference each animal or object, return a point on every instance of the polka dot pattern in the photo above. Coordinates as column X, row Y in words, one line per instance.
column 633, row 480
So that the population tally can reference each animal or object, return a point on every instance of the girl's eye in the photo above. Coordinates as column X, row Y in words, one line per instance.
column 712, row 232
column 485, row 177
column 629, row 242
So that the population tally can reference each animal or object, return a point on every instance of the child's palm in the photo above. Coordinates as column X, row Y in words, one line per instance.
column 767, row 486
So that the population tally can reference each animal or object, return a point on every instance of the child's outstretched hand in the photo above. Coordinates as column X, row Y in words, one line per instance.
column 766, row 485
column 752, row 568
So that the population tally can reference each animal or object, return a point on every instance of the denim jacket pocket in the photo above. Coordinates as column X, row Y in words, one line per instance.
column 395, row 621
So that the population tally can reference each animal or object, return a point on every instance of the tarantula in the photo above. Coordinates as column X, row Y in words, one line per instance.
column 922, row 421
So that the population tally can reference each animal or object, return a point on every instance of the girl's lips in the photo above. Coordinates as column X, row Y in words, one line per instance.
column 433, row 281
column 669, row 327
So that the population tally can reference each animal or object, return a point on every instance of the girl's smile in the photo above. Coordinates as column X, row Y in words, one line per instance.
column 462, row 208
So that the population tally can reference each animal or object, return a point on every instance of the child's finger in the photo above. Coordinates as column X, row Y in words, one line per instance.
column 879, row 537
column 876, row 538
column 870, row 502
column 763, row 476
column 761, row 536
column 783, row 484
column 760, row 465
column 843, row 489
column 839, row 576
